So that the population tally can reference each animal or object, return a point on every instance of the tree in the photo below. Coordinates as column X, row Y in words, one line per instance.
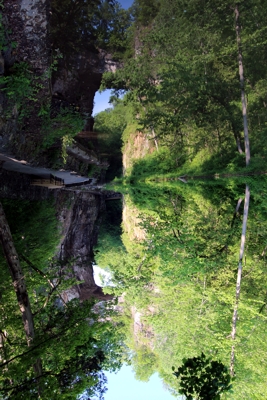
column 241, row 77
column 17, row 276
column 144, row 11
column 88, row 25
column 202, row 378
column 185, row 77
column 42, row 366
column 239, row 275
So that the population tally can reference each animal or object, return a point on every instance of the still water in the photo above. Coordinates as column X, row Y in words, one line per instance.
column 182, row 245
column 171, row 252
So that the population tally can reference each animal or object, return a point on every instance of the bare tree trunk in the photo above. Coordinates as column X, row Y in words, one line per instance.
column 242, row 86
column 17, row 276
column 155, row 140
column 238, row 143
column 3, row 337
column 239, row 276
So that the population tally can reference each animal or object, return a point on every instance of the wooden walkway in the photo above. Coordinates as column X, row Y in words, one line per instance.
column 43, row 176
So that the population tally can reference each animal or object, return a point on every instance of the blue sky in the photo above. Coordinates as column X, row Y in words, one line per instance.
column 101, row 101
column 126, row 3
column 123, row 386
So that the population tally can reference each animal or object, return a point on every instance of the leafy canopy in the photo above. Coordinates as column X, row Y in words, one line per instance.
column 202, row 378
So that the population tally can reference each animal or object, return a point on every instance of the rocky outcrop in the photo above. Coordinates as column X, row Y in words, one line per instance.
column 138, row 146
column 80, row 225
column 73, row 84
column 61, row 80
column 26, row 25
column 78, row 79
column 28, row 21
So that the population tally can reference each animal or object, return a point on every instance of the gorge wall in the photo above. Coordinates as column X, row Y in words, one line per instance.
column 72, row 81
column 80, row 224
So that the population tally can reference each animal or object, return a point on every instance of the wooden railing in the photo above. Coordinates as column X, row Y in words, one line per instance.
column 49, row 180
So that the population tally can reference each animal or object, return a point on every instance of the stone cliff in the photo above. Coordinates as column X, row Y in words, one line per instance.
column 77, row 81
column 79, row 216
column 80, row 224
column 68, row 80
column 59, row 80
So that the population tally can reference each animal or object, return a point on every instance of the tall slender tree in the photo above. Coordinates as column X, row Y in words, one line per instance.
column 242, row 83
column 239, row 275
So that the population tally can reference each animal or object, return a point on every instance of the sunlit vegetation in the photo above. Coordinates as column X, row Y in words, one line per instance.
column 174, row 255
column 181, row 279
column 43, row 367
column 176, row 265
column 184, row 84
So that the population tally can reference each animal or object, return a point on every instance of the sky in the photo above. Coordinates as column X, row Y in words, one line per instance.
column 123, row 385
column 101, row 101
column 126, row 3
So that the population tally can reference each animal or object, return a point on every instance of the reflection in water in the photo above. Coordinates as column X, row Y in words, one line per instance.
column 174, row 267
column 49, row 284
column 180, row 282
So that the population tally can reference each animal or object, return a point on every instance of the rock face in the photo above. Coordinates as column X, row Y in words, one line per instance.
column 80, row 224
column 76, row 82
column 68, row 80
column 73, row 84
column 28, row 23
column 138, row 145
column 35, row 15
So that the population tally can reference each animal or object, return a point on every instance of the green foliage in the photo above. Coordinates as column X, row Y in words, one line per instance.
column 92, row 343
column 89, row 25
column 163, row 161
column 144, row 363
column 144, row 11
column 91, row 347
column 64, row 127
column 110, row 125
column 203, row 378
column 185, row 78
column 178, row 270
column 20, row 86
column 34, row 229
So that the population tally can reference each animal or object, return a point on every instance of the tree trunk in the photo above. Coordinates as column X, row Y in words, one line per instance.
column 239, row 276
column 155, row 139
column 17, row 276
column 238, row 143
column 242, row 86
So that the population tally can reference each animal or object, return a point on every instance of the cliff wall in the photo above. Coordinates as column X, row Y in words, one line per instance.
column 80, row 217
column 68, row 80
